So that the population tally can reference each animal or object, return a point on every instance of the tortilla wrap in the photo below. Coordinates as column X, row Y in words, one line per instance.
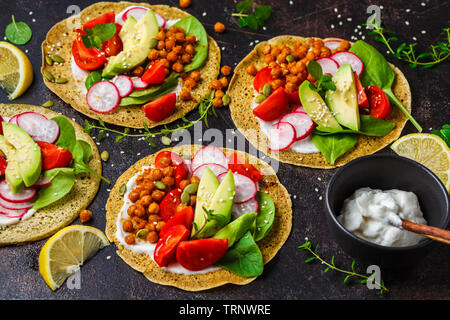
column 48, row 220
column 269, row 245
column 59, row 41
column 242, row 95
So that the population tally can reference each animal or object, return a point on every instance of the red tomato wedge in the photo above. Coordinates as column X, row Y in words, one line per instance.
column 155, row 73
column 237, row 164
column 54, row 156
column 196, row 255
column 363, row 102
column 166, row 248
column 273, row 107
column 262, row 77
column 160, row 108
column 108, row 17
column 113, row 46
column 293, row 97
column 3, row 165
column 185, row 217
column 87, row 59
column 181, row 169
column 379, row 102
column 169, row 204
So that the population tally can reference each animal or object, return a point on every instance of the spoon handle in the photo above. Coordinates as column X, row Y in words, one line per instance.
column 434, row 233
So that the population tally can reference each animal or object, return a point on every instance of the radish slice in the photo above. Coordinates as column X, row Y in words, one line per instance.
column 244, row 187
column 123, row 84
column 24, row 195
column 12, row 213
column 103, row 97
column 38, row 126
column 161, row 20
column 42, row 182
column 13, row 120
column 209, row 154
column 217, row 169
column 328, row 65
column 245, row 207
column 299, row 109
column 281, row 136
column 15, row 206
column 139, row 12
column 138, row 83
column 345, row 57
column 332, row 44
column 301, row 122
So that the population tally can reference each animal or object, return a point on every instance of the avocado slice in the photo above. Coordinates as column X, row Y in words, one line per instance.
column 138, row 37
column 12, row 174
column 206, row 189
column 317, row 109
column 344, row 100
column 28, row 153
column 237, row 228
column 221, row 204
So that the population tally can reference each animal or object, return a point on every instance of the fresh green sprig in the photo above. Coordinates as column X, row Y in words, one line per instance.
column 18, row 32
column 406, row 52
column 443, row 133
column 252, row 20
column 98, row 34
column 323, row 82
column 307, row 246
column 205, row 109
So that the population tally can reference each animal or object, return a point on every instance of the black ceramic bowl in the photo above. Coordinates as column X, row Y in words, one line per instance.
column 385, row 171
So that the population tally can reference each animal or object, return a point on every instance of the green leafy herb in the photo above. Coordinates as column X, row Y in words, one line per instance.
column 62, row 180
column 307, row 246
column 98, row 34
column 443, row 133
column 369, row 126
column 67, row 137
column 324, row 82
column 252, row 20
column 18, row 32
column 335, row 145
column 406, row 52
column 378, row 72
column 81, row 154
column 92, row 78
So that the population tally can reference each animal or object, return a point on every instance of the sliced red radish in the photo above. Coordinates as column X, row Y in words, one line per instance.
column 15, row 206
column 299, row 109
column 24, row 195
column 301, row 122
column 240, row 209
column 138, row 83
column 38, row 126
column 332, row 44
column 123, row 84
column 13, row 120
column 103, row 97
column 161, row 20
column 328, row 65
column 345, row 57
column 217, row 169
column 13, row 213
column 209, row 154
column 281, row 136
column 244, row 187
column 139, row 12
column 42, row 182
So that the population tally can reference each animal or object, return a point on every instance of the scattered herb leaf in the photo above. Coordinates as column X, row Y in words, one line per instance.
column 252, row 20
column 18, row 32
column 443, row 133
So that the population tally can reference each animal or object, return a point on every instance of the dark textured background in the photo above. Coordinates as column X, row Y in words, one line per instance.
column 287, row 276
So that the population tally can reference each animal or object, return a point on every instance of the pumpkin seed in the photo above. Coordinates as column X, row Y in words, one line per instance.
column 166, row 141
column 290, row 58
column 48, row 104
column 226, row 100
column 260, row 98
column 267, row 90
column 48, row 60
column 185, row 198
column 191, row 188
column 105, row 156
column 61, row 80
column 160, row 185
column 142, row 233
column 123, row 189
column 48, row 75
column 57, row 58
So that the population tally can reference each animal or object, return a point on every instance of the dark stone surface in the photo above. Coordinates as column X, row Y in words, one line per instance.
column 287, row 276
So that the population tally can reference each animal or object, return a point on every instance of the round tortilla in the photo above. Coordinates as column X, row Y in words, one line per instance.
column 143, row 263
column 59, row 41
column 48, row 220
column 241, row 93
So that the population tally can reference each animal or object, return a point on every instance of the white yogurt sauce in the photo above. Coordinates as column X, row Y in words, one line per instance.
column 374, row 215
column 303, row 146
column 142, row 246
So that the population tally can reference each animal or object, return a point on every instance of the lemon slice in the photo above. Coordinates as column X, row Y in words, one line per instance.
column 67, row 250
column 16, row 71
column 429, row 150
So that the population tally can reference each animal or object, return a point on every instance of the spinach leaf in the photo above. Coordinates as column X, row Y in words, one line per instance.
column 18, row 32
column 377, row 72
column 266, row 215
column 443, row 133
column 335, row 145
column 67, row 137
column 369, row 126
column 81, row 154
column 193, row 27
column 244, row 258
column 62, row 181
column 92, row 78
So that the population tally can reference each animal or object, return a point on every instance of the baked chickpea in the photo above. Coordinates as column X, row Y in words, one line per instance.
column 281, row 58
column 168, row 181
column 219, row 27
column 133, row 196
column 224, row 82
column 276, row 73
column 152, row 237
column 178, row 50
column 266, row 49
column 165, row 63
column 310, row 56
column 130, row 239
column 300, row 66
column 318, row 43
column 344, row 45
column 185, row 94
column 158, row 195
column 160, row 225
column 141, row 224
column 275, row 51
column 186, row 58
column 290, row 87
column 144, row 193
column 195, row 75
column 138, row 71
column 185, row 3
column 150, row 227
column 146, row 200
column 172, row 56
column 225, row 70
column 216, row 85
column 161, row 44
column 169, row 43
column 277, row 83
column 195, row 179
column 184, row 183
column 127, row 226
column 161, row 35
column 251, row 70
column 193, row 200
column 179, row 37
column 168, row 171
column 153, row 54
column 191, row 39
column 149, row 185
column 130, row 210
column 139, row 211
column 85, row 215
column 177, row 67
column 155, row 174
column 189, row 83
column 219, row 94
column 218, row 103
column 273, row 64
column 268, row 58
column 153, row 208
column 316, row 51
column 165, row 161
column 153, row 219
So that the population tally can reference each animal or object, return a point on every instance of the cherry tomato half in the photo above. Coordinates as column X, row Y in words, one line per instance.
column 185, row 217
column 237, row 164
column 3, row 165
column 87, row 59
column 363, row 102
column 166, row 248
column 196, row 255
column 273, row 107
column 155, row 73
column 262, row 77
column 108, row 17
column 54, row 156
column 379, row 102
column 160, row 108
column 113, row 46
column 169, row 204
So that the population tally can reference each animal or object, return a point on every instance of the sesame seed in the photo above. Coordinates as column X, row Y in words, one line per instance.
column 335, row 9
column 423, row 31
column 408, row 10
column 407, row 23
column 423, row 4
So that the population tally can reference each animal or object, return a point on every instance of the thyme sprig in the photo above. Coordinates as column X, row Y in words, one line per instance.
column 307, row 246
column 406, row 52
column 205, row 109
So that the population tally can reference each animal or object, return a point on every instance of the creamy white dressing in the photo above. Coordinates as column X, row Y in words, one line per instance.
column 142, row 246
column 375, row 215
column 302, row 146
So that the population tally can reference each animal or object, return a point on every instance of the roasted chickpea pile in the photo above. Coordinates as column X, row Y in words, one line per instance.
column 219, row 86
column 289, row 65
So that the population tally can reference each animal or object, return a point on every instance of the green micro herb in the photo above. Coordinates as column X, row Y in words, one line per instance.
column 324, row 82
column 98, row 34
column 307, row 246
column 406, row 52
column 443, row 133
column 18, row 32
column 252, row 20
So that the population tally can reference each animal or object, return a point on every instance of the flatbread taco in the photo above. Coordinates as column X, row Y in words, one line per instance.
column 198, row 217
column 50, row 172
column 129, row 63
column 318, row 103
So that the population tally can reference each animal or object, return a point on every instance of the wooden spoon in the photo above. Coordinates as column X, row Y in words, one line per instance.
column 434, row 233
